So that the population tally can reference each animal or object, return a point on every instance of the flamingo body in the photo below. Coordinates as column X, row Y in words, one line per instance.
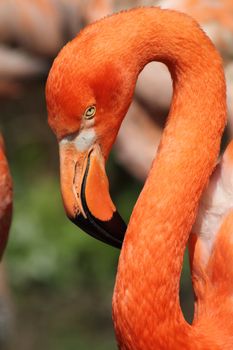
column 5, row 198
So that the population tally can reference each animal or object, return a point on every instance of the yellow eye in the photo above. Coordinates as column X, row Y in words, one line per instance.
column 90, row 112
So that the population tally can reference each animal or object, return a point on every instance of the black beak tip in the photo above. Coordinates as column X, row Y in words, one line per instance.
column 111, row 232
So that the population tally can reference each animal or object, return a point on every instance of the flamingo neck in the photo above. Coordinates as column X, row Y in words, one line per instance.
column 146, row 308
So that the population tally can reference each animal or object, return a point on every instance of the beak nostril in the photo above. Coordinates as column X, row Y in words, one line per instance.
column 69, row 138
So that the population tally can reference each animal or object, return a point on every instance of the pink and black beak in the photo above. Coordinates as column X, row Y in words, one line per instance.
column 85, row 192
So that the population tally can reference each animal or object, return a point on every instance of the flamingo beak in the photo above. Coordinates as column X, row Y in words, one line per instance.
column 85, row 192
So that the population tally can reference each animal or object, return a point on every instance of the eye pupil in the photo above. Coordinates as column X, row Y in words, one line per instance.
column 90, row 112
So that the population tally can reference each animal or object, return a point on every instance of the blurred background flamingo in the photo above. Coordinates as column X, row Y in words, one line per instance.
column 6, row 200
column 46, row 258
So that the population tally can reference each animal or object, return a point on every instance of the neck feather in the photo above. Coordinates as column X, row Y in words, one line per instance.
column 146, row 308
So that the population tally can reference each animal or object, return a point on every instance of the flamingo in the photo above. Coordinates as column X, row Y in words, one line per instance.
column 89, row 89
column 5, row 221
column 6, row 197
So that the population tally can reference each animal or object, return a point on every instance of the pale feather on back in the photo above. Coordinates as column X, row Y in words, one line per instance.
column 216, row 203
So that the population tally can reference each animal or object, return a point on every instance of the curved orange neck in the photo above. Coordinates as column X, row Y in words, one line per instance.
column 146, row 308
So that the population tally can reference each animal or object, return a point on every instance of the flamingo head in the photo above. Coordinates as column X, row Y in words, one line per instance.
column 88, row 92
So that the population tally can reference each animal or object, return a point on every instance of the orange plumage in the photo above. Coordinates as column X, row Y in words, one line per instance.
column 99, row 68
column 5, row 198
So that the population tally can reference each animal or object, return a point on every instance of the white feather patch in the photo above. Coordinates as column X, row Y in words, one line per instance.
column 216, row 202
column 85, row 139
column 82, row 140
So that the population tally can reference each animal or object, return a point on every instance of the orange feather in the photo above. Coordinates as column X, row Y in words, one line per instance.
column 5, row 198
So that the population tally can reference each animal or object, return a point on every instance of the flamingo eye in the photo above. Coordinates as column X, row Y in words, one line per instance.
column 90, row 112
